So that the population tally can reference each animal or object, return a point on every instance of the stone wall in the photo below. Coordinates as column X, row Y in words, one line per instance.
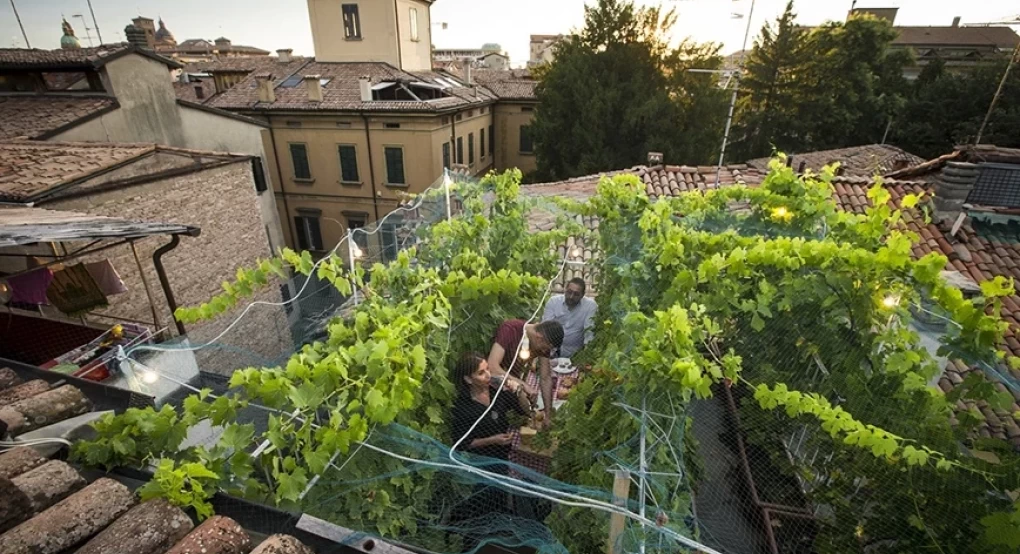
column 222, row 202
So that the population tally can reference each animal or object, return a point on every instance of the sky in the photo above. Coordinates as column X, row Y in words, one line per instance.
column 274, row 24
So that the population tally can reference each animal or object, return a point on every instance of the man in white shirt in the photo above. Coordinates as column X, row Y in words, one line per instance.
column 576, row 313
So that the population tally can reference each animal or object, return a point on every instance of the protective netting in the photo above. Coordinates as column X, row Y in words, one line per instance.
column 659, row 445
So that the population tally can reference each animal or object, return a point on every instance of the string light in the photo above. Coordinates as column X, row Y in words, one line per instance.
column 149, row 376
column 575, row 252
column 525, row 347
column 891, row 301
column 356, row 251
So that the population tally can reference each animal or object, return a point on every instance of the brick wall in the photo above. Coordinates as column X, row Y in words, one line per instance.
column 223, row 203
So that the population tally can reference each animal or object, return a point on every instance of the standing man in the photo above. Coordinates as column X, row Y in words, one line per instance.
column 507, row 354
column 576, row 313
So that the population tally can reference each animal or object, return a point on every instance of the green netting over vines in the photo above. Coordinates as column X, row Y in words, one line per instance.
column 761, row 380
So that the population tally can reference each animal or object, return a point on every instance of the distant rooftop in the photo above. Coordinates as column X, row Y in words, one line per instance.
column 76, row 58
column 42, row 116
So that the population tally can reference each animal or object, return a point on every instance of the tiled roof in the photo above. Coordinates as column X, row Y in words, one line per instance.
column 186, row 91
column 21, row 226
column 866, row 160
column 486, row 76
column 29, row 169
column 342, row 91
column 77, row 58
column 513, row 90
column 977, row 251
column 965, row 153
column 1001, row 37
column 35, row 116
column 244, row 64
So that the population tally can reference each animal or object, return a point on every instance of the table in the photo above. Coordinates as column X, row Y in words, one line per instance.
column 523, row 455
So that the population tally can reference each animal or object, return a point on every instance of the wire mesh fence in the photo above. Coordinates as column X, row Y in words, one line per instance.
column 627, row 464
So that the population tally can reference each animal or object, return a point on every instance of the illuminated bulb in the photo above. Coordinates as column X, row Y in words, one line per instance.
column 781, row 212
column 356, row 251
column 891, row 301
column 525, row 347
column 150, row 377
column 3, row 287
column 525, row 354
column 576, row 252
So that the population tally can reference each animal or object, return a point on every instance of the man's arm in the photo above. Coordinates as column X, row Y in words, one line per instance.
column 589, row 323
column 546, row 384
column 496, row 359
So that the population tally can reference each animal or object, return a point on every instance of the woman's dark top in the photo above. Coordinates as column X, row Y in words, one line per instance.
column 466, row 411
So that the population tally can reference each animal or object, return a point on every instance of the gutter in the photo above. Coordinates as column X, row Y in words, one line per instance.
column 371, row 167
column 164, row 282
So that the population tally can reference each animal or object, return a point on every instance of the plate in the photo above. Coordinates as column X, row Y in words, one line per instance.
column 562, row 365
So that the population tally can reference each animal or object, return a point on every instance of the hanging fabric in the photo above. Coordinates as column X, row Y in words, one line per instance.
column 106, row 276
column 74, row 291
column 30, row 288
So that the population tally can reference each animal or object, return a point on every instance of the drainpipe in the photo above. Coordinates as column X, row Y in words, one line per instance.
column 283, row 190
column 164, row 282
column 371, row 167
column 453, row 139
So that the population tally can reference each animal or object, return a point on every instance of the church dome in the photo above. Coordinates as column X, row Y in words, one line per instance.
column 163, row 34
column 69, row 41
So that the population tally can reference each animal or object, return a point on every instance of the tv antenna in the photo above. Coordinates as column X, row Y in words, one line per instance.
column 85, row 26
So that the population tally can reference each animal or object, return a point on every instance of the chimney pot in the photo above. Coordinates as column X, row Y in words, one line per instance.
column 655, row 158
column 265, row 88
column 314, row 87
column 956, row 21
column 284, row 55
column 366, row 89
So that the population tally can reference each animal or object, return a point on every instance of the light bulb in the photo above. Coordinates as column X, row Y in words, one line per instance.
column 525, row 354
column 356, row 251
column 576, row 252
column 891, row 301
column 150, row 376
column 3, row 287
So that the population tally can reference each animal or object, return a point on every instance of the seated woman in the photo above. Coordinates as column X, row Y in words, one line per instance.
column 492, row 436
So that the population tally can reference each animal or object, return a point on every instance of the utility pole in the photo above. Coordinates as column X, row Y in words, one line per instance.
column 733, row 99
column 998, row 92
column 18, row 17
column 95, row 24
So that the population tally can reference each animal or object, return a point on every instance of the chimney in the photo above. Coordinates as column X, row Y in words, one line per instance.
column 654, row 158
column 136, row 36
column 265, row 85
column 952, row 187
column 366, row 89
column 314, row 87
column 956, row 21
column 284, row 55
column 467, row 71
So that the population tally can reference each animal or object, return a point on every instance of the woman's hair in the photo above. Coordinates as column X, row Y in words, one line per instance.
column 465, row 366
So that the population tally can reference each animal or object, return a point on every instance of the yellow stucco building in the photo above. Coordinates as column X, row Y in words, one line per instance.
column 367, row 120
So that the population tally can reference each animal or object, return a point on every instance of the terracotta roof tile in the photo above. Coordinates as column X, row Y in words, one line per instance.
column 857, row 161
column 188, row 91
column 513, row 90
column 77, row 58
column 35, row 116
column 342, row 91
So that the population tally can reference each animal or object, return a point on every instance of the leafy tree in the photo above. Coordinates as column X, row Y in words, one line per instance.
column 837, row 85
column 946, row 108
column 618, row 90
column 768, row 114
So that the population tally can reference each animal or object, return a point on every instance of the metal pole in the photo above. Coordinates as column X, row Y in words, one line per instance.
column 733, row 99
column 95, row 24
column 352, row 247
column 644, row 469
column 148, row 289
column 998, row 92
column 18, row 17
column 446, row 188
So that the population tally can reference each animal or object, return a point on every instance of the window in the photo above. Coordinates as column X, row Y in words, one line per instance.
column 258, row 174
column 392, row 125
column 526, row 109
column 460, row 116
column 394, row 165
column 460, row 150
column 471, row 148
column 414, row 24
column 527, row 144
column 358, row 221
column 348, row 163
column 199, row 92
column 299, row 159
column 352, row 21
column 492, row 139
column 294, row 80
column 446, row 155
column 293, row 123
column 446, row 120
column 343, row 124
column 309, row 236
column 481, row 147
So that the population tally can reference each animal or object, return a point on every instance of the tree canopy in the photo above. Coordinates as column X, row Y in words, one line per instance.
column 617, row 90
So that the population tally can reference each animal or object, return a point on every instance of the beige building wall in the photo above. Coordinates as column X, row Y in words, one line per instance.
column 219, row 201
column 421, row 138
column 378, row 42
column 415, row 50
column 509, row 118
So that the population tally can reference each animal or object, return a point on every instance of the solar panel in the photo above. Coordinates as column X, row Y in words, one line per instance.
column 997, row 185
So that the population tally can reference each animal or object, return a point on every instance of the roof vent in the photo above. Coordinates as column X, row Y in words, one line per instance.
column 284, row 55
column 655, row 158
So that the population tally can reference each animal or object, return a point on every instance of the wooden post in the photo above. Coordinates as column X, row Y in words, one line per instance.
column 617, row 522
column 148, row 290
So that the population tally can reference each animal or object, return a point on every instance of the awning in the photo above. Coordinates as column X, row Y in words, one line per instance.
column 22, row 225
